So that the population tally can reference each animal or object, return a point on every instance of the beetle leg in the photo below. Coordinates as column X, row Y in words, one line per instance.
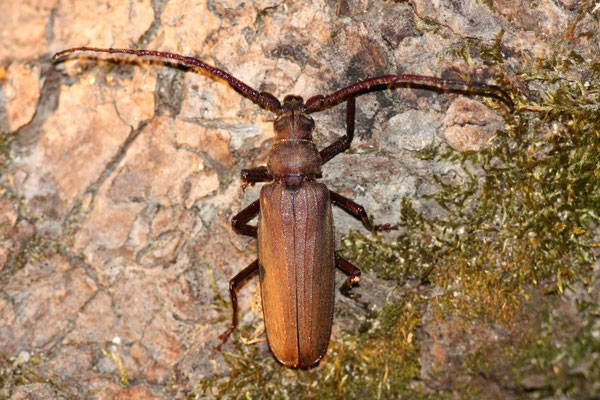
column 240, row 221
column 351, row 207
column 240, row 224
column 358, row 211
column 343, row 143
column 254, row 175
column 234, row 283
column 353, row 278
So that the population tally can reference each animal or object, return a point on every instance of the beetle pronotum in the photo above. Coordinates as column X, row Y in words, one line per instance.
column 296, row 256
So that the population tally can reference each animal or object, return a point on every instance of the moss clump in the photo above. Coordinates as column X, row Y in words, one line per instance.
column 554, row 358
column 23, row 371
column 526, row 213
column 381, row 361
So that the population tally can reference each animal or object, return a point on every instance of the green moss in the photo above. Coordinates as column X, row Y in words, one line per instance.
column 16, row 372
column 548, row 359
column 525, row 212
column 463, row 50
column 492, row 55
column 380, row 362
column 5, row 141
column 585, row 8
column 428, row 25
column 32, row 251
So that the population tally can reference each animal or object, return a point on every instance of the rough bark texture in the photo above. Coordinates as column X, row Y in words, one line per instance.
column 120, row 176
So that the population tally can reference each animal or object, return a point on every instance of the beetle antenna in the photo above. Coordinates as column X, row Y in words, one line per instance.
column 322, row 102
column 263, row 99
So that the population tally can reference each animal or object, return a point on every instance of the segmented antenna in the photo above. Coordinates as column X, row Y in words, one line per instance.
column 321, row 102
column 263, row 99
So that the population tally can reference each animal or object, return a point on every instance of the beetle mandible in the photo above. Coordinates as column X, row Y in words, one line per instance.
column 296, row 256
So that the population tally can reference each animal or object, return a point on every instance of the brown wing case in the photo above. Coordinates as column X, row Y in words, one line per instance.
column 296, row 264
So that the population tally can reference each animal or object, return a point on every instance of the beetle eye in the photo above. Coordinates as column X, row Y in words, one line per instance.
column 280, row 121
column 307, row 121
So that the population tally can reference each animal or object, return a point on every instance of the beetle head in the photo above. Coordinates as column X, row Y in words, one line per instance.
column 294, row 123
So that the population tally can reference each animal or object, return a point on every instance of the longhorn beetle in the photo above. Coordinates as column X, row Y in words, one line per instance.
column 296, row 256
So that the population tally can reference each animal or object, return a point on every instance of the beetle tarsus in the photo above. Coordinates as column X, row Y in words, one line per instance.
column 387, row 227
column 353, row 273
column 224, row 337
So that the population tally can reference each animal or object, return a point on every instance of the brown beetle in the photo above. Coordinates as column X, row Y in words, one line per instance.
column 296, row 256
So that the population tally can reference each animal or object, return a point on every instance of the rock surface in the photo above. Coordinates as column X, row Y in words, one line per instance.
column 122, row 175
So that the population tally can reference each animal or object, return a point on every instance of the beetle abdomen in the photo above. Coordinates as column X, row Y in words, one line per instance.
column 296, row 263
